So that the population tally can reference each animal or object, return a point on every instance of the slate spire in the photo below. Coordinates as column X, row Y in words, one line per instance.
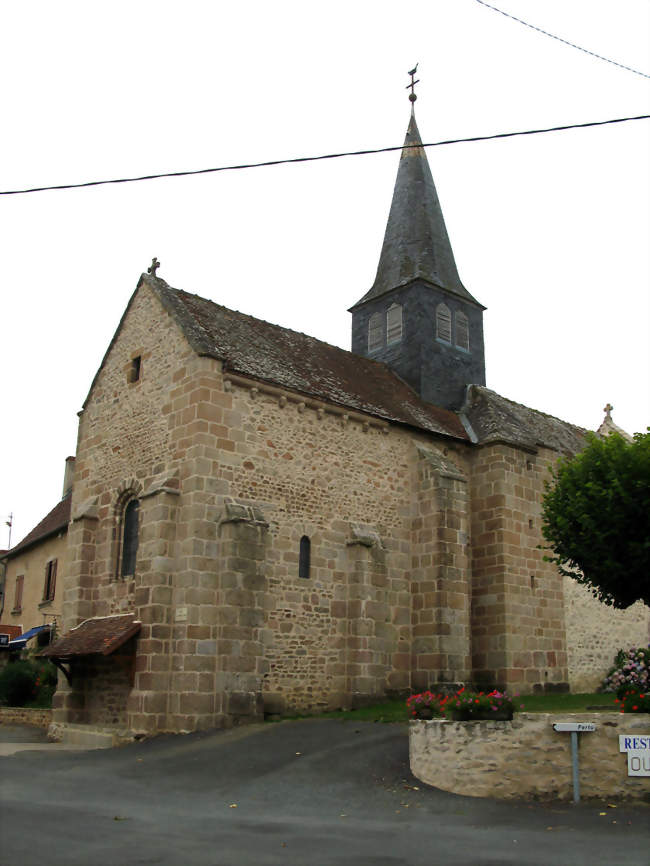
column 418, row 318
column 416, row 244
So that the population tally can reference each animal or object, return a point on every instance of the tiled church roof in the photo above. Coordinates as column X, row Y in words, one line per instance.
column 288, row 359
column 493, row 418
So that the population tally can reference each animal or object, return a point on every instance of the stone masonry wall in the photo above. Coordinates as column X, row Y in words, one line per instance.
column 342, row 635
column 223, row 629
column 440, row 576
column 595, row 632
column 25, row 716
column 518, row 616
column 532, row 629
column 527, row 758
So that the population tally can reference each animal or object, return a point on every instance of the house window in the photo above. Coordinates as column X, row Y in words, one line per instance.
column 49, row 587
column 134, row 369
column 130, row 536
column 443, row 323
column 462, row 331
column 375, row 333
column 394, row 324
column 18, row 594
column 305, row 557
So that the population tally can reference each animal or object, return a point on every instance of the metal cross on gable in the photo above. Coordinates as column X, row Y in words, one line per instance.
column 412, row 94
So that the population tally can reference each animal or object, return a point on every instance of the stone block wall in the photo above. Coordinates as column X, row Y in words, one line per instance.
column 595, row 632
column 25, row 716
column 229, row 628
column 527, row 758
column 518, row 611
column 230, row 474
column 440, row 575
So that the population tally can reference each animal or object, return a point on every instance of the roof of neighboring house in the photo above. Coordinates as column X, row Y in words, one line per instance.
column 56, row 521
column 99, row 636
column 493, row 418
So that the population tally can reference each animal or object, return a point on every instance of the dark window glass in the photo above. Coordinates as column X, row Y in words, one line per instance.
column 134, row 369
column 305, row 556
column 130, row 537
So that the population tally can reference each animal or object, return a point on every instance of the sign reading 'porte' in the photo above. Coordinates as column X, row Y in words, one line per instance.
column 638, row 753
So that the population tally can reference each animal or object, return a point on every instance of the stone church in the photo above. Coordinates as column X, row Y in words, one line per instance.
column 263, row 523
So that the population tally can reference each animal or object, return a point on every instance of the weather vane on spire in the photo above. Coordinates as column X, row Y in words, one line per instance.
column 412, row 94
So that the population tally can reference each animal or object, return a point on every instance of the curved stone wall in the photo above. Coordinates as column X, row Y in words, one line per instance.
column 526, row 758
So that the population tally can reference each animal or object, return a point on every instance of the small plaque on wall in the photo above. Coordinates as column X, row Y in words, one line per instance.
column 181, row 614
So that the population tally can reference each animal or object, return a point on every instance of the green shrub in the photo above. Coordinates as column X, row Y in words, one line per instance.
column 27, row 682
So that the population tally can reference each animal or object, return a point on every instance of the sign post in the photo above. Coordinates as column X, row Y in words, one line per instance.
column 575, row 728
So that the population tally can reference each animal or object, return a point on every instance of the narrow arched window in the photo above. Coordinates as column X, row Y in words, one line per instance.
column 443, row 323
column 130, row 537
column 375, row 333
column 462, row 331
column 305, row 557
column 393, row 324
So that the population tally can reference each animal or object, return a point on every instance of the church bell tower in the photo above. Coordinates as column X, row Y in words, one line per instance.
column 418, row 318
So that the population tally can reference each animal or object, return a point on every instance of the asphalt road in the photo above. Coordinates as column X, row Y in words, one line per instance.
column 310, row 792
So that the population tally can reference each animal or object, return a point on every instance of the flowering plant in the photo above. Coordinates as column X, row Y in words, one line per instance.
column 631, row 671
column 633, row 701
column 423, row 706
column 462, row 706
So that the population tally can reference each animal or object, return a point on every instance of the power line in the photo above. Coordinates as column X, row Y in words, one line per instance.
column 296, row 159
column 565, row 41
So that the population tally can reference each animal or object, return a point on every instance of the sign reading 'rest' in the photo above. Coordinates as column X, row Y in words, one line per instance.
column 638, row 753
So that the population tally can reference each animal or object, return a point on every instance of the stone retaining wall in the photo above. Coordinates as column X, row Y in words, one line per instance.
column 526, row 757
column 25, row 716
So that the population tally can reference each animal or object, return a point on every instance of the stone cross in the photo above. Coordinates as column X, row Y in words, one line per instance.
column 607, row 410
column 155, row 264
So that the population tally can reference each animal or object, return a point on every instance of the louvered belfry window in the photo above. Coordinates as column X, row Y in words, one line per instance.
column 393, row 324
column 304, row 563
column 130, row 535
column 462, row 331
column 375, row 335
column 443, row 323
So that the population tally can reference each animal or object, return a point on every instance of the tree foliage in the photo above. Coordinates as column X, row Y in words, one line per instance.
column 596, row 518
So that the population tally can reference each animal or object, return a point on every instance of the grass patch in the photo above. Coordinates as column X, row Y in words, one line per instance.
column 568, row 703
column 395, row 710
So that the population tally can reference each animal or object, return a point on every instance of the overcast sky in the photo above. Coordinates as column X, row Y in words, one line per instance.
column 550, row 232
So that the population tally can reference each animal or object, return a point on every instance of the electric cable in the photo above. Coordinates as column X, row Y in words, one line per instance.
column 565, row 41
column 298, row 159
